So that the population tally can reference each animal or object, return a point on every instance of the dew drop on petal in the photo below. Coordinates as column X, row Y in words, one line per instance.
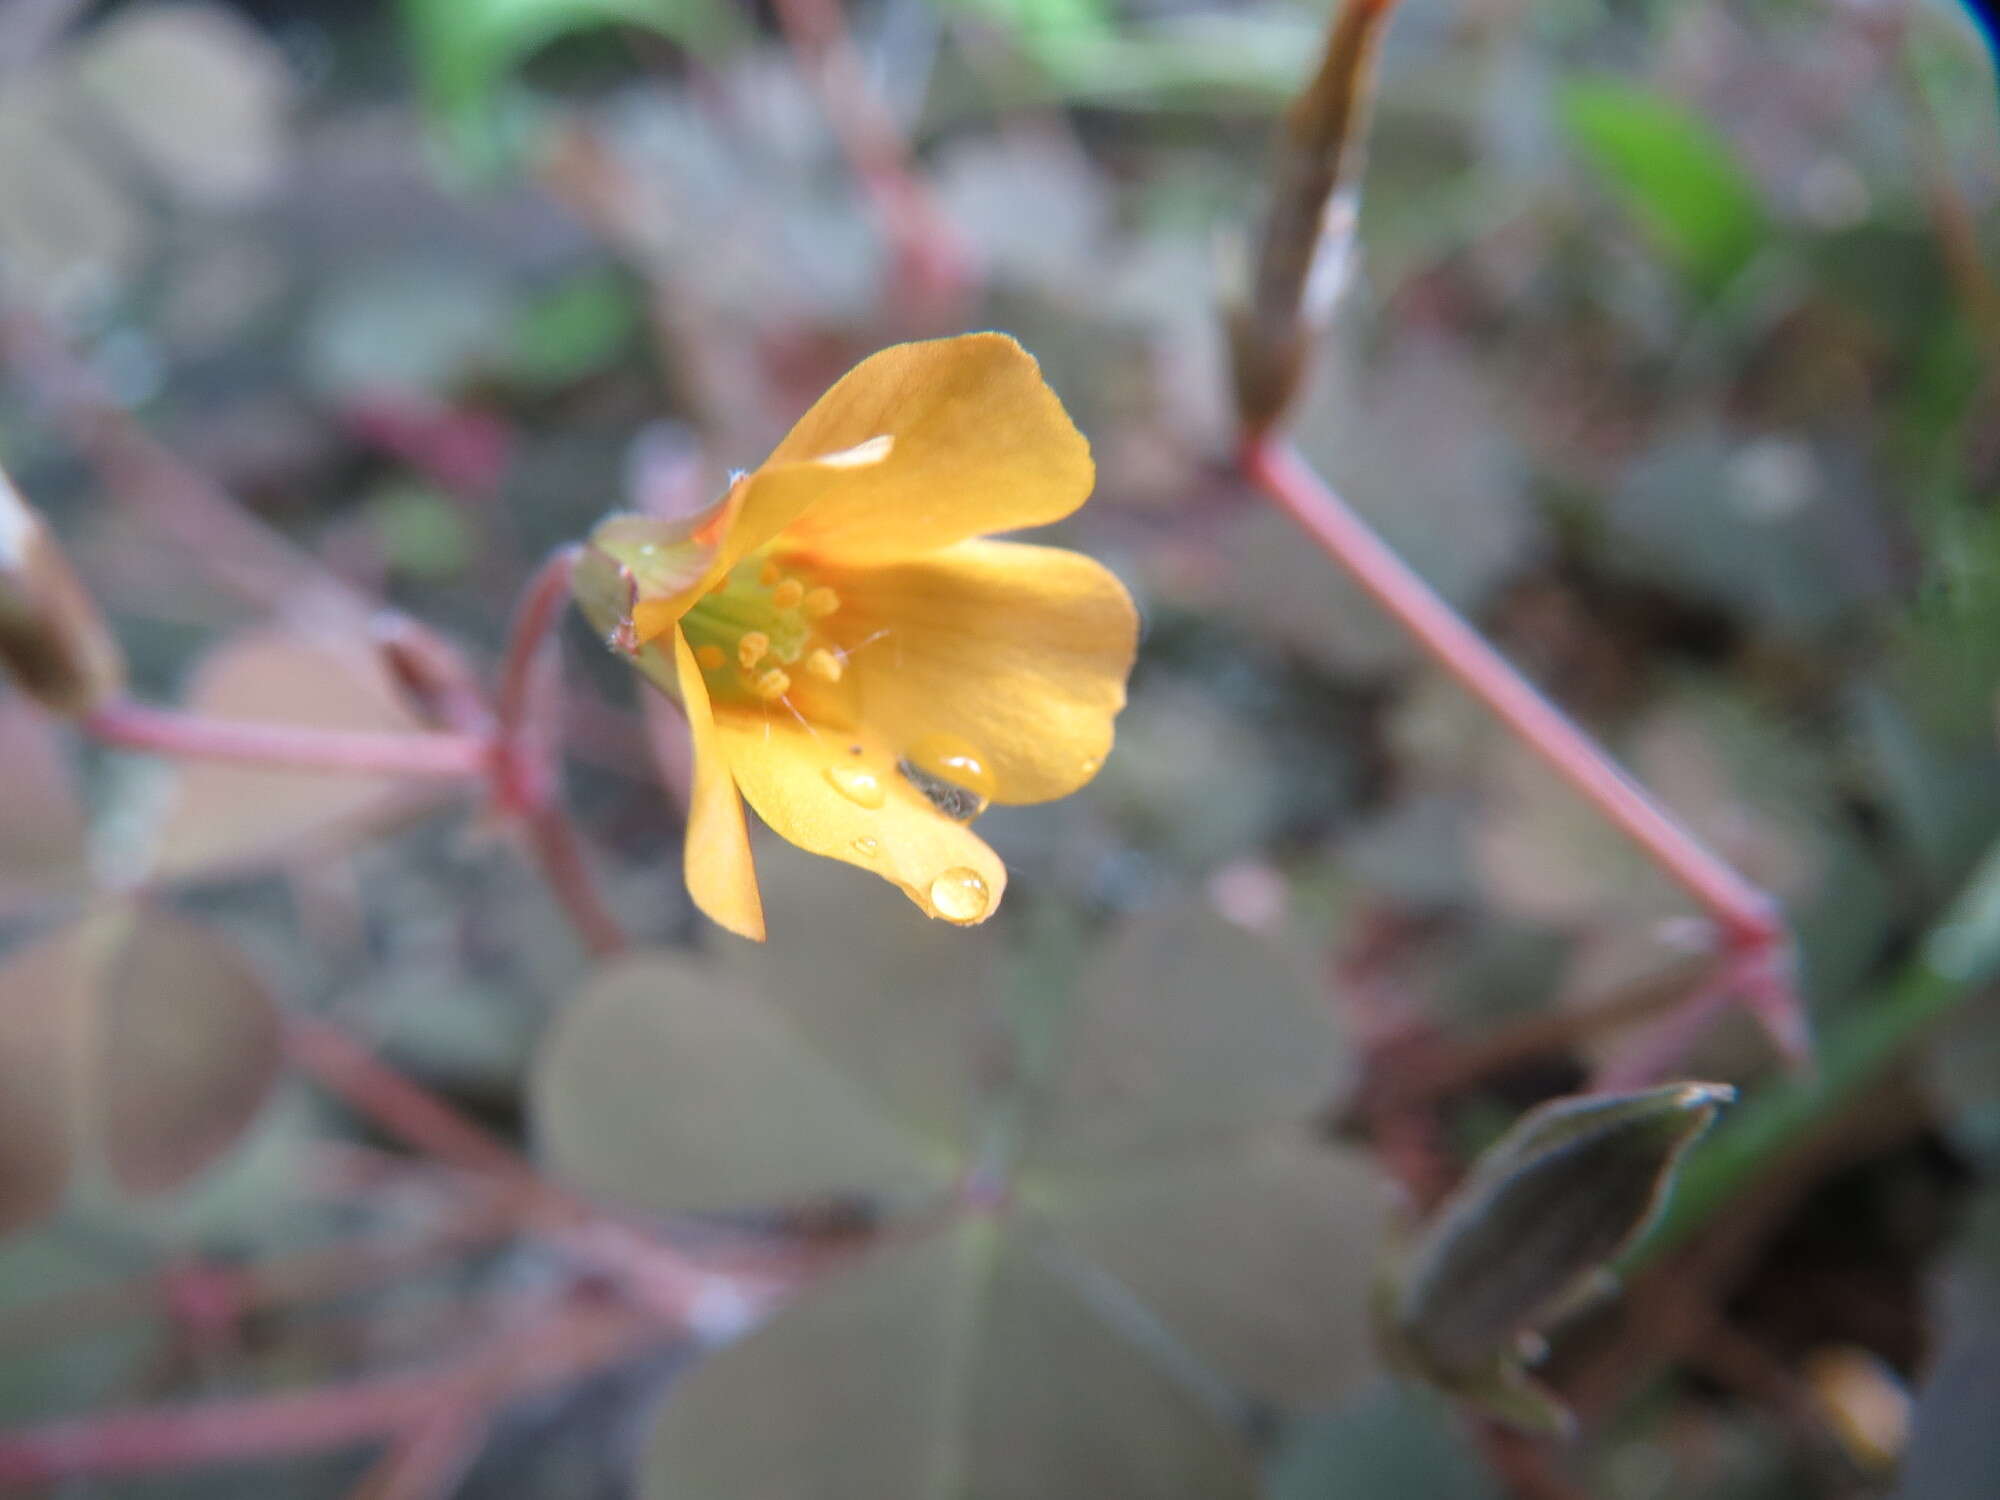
column 1090, row 766
column 960, row 895
column 866, row 845
column 858, row 785
column 958, row 761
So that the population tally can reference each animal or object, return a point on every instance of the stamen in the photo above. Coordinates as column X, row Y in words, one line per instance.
column 824, row 665
column 772, row 685
column 770, row 573
column 788, row 594
column 751, row 647
column 821, row 602
column 709, row 657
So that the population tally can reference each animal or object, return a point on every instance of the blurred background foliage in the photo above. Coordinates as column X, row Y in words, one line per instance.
column 1671, row 358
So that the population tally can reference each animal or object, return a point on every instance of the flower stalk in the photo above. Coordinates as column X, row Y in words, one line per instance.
column 1297, row 270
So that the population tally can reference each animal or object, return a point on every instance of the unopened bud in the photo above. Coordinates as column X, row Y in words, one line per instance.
column 1530, row 1236
column 53, row 642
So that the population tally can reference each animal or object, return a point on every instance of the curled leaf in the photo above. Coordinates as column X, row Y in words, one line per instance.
column 1530, row 1236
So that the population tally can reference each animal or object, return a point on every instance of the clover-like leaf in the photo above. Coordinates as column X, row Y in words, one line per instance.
column 132, row 1039
column 958, row 1366
column 226, row 817
column 43, row 852
column 672, row 1086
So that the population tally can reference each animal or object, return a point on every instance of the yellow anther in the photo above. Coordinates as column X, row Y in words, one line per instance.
column 752, row 647
column 770, row 573
column 772, row 685
column 710, row 657
column 824, row 665
column 788, row 594
column 821, row 602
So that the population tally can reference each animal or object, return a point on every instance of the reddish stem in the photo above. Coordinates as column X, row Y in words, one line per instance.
column 347, row 1070
column 931, row 257
column 135, row 726
column 1745, row 916
column 525, row 774
column 548, row 1353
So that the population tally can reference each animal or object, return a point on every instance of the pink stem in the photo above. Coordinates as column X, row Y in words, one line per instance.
column 547, row 1353
column 932, row 260
column 525, row 778
column 1746, row 917
column 135, row 726
column 351, row 1073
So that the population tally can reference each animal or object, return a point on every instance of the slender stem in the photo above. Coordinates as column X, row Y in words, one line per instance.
column 136, row 726
column 930, row 254
column 536, row 615
column 526, row 766
column 546, row 1353
column 552, row 839
column 350, row 1072
column 1961, row 958
column 1747, row 917
column 427, row 1462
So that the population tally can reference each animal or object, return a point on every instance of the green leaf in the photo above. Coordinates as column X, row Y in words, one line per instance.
column 223, row 818
column 1189, row 1031
column 671, row 1086
column 1388, row 1440
column 959, row 1366
column 41, row 987
column 465, row 49
column 1673, row 171
column 1260, row 1259
column 43, row 849
column 131, row 1039
column 187, row 1048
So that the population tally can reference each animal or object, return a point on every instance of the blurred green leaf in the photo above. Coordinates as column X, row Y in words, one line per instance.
column 1189, row 1032
column 43, row 851
column 131, row 1039
column 1673, row 171
column 1260, row 1258
column 223, row 818
column 187, row 1048
column 670, row 1087
column 42, row 989
column 423, row 534
column 572, row 331
column 466, row 49
column 958, row 1366
column 1388, row 1440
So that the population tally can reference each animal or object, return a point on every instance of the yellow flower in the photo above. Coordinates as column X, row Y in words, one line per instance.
column 853, row 657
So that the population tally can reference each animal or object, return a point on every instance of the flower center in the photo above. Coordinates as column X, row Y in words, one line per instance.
column 757, row 627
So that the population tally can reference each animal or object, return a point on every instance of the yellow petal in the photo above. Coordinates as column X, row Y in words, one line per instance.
column 978, row 444
column 793, row 775
column 759, row 506
column 1021, row 652
column 720, row 875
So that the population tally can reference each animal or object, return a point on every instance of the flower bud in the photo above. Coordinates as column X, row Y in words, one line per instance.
column 1530, row 1236
column 53, row 642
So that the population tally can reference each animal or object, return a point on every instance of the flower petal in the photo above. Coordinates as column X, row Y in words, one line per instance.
column 720, row 875
column 791, row 774
column 1019, row 651
column 979, row 443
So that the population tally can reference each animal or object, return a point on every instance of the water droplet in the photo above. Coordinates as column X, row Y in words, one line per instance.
column 1090, row 766
column 958, row 761
column 858, row 785
column 960, row 895
column 866, row 845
